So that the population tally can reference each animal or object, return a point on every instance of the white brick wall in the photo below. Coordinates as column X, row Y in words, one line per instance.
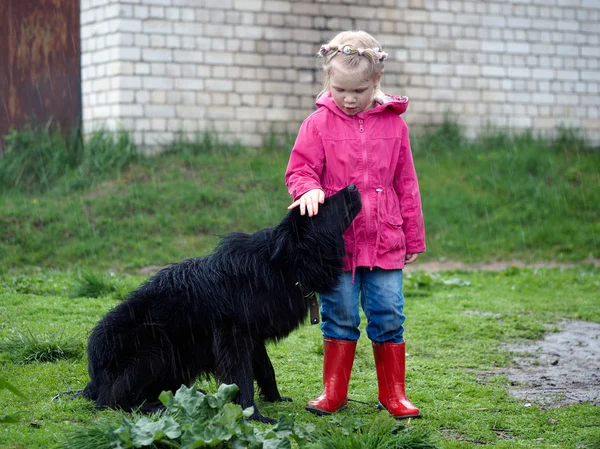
column 246, row 67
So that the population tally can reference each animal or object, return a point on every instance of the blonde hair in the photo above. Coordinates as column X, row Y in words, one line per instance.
column 354, row 51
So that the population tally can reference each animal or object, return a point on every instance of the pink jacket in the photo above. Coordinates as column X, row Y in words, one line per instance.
column 372, row 151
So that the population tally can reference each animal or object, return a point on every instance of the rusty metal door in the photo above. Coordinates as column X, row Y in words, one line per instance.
column 40, row 70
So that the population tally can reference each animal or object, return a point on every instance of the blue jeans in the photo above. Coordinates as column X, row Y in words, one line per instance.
column 381, row 299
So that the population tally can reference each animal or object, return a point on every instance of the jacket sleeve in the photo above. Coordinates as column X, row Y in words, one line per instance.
column 306, row 162
column 406, row 185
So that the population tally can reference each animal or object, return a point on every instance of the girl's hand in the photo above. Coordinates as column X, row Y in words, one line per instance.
column 309, row 202
column 410, row 258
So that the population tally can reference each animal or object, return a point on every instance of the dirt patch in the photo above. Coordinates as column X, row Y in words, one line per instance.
column 448, row 265
column 562, row 369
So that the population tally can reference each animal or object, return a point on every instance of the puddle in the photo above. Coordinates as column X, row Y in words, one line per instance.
column 562, row 369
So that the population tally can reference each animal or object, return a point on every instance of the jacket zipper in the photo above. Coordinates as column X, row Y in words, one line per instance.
column 361, row 130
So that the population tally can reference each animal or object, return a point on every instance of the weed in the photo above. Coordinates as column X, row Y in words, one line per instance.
column 37, row 159
column 91, row 284
column 28, row 347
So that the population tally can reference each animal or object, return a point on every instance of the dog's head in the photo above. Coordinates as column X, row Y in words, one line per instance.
column 335, row 214
column 301, row 236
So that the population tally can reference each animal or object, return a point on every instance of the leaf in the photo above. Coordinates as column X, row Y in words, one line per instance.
column 124, row 434
column 285, row 423
column 145, row 431
column 226, row 393
column 171, row 428
column 167, row 399
column 284, row 427
column 231, row 416
column 6, row 385
column 199, row 434
column 189, row 400
column 248, row 412
column 224, row 426
column 277, row 444
column 213, row 402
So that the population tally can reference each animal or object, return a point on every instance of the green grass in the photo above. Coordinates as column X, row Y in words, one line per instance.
column 457, row 323
column 497, row 198
column 502, row 197
column 36, row 159
column 78, row 222
column 30, row 347
column 94, row 285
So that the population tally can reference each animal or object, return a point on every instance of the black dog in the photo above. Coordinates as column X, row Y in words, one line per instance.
column 212, row 315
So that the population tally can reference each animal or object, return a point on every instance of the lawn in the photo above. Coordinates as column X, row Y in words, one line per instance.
column 457, row 324
column 75, row 241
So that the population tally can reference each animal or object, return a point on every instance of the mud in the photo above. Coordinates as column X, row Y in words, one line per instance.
column 560, row 370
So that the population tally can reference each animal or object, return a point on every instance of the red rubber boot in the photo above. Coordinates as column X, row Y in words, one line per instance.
column 338, row 356
column 390, row 362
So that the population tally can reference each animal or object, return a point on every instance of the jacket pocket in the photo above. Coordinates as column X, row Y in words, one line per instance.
column 391, row 233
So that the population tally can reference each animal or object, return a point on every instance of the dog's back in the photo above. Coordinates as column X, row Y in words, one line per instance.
column 146, row 340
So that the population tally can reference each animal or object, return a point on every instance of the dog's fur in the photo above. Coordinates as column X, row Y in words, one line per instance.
column 212, row 315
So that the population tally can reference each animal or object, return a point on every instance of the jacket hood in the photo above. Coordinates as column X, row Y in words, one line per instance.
column 397, row 105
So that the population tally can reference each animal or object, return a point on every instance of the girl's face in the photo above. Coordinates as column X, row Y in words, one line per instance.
column 351, row 91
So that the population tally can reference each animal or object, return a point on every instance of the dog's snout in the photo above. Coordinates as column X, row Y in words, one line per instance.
column 351, row 187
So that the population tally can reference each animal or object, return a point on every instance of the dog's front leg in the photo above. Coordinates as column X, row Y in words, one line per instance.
column 233, row 365
column 265, row 374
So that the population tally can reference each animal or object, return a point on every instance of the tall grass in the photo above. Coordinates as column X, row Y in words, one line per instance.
column 91, row 284
column 30, row 347
column 36, row 159
column 205, row 142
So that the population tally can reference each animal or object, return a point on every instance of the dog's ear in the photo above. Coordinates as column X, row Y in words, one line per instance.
column 286, row 236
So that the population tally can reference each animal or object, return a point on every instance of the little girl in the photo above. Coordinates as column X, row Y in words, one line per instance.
column 356, row 136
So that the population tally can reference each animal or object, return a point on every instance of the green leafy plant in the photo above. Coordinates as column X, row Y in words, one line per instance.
column 192, row 420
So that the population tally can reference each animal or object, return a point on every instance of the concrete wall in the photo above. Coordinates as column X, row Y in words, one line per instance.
column 247, row 67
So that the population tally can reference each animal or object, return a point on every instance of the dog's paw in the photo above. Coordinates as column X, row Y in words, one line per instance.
column 269, row 398
column 263, row 419
column 266, row 420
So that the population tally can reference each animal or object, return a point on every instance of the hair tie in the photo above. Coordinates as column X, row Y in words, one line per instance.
column 381, row 55
column 324, row 50
column 346, row 49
